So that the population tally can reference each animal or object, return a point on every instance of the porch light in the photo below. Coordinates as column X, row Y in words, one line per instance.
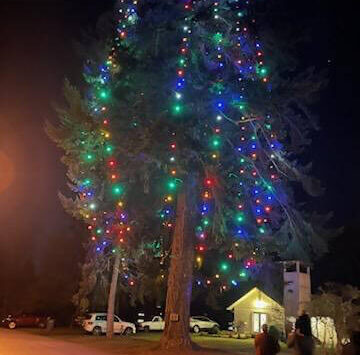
column 260, row 303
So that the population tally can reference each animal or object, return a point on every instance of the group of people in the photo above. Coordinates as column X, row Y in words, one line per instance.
column 301, row 340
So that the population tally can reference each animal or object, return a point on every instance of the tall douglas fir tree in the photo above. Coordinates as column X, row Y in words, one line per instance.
column 185, row 120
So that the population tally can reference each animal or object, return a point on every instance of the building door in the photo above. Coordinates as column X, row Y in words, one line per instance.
column 258, row 320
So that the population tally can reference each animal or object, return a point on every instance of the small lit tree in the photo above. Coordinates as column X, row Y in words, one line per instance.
column 342, row 304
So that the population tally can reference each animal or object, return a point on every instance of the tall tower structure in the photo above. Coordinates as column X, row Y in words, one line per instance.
column 297, row 287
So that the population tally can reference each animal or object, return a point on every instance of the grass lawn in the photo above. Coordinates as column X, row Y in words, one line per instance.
column 146, row 343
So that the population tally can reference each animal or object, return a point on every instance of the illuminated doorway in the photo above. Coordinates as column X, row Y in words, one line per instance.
column 258, row 320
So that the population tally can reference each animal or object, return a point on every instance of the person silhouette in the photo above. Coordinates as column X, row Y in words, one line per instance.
column 301, row 340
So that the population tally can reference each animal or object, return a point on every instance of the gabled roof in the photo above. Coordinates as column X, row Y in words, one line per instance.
column 251, row 292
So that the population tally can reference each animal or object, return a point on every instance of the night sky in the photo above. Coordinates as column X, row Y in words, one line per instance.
column 37, row 53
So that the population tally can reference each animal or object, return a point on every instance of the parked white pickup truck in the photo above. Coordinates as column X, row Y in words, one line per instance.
column 197, row 324
column 156, row 324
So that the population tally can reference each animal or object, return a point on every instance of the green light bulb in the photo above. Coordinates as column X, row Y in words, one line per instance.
column 117, row 190
column 215, row 142
column 109, row 149
column 206, row 222
column 224, row 266
column 87, row 182
column 269, row 187
column 177, row 109
column 240, row 217
column 172, row 185
column 218, row 38
column 103, row 94
column 263, row 71
column 89, row 157
column 262, row 230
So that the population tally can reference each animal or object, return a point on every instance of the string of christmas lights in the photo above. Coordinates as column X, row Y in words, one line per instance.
column 179, row 95
column 108, row 222
column 249, row 55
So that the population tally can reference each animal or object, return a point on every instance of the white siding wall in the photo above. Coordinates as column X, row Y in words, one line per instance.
column 243, row 312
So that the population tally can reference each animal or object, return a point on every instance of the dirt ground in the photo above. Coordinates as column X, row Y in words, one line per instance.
column 75, row 342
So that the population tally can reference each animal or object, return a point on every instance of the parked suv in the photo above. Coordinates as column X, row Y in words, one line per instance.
column 24, row 320
column 95, row 323
column 201, row 323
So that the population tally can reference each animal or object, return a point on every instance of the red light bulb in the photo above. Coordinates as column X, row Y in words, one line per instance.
column 209, row 182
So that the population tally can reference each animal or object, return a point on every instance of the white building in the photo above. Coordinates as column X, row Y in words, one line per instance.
column 254, row 309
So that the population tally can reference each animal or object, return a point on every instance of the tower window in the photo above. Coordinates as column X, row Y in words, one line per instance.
column 291, row 267
column 303, row 269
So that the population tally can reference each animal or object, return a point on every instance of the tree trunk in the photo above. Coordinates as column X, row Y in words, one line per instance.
column 177, row 312
column 112, row 297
